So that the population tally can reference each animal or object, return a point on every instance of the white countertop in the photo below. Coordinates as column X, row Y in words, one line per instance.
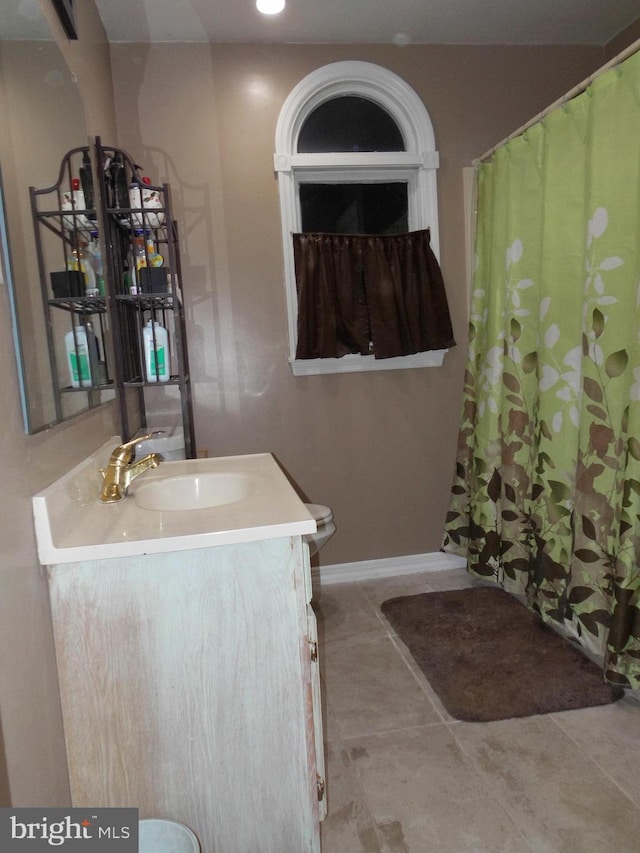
column 72, row 525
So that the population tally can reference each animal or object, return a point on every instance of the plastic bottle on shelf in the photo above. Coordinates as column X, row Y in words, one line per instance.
column 139, row 250
column 86, row 181
column 80, row 261
column 135, row 202
column 83, row 356
column 154, row 259
column 128, row 277
column 151, row 199
column 139, row 258
column 79, row 200
column 136, row 260
column 73, row 202
column 147, row 202
column 73, row 261
column 67, row 204
column 99, row 364
column 87, row 267
column 119, row 189
column 95, row 251
column 156, row 352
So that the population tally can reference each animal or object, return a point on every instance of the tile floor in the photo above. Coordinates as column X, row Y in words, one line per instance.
column 404, row 777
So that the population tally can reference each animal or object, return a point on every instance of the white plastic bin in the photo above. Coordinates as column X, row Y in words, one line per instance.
column 167, row 441
column 166, row 836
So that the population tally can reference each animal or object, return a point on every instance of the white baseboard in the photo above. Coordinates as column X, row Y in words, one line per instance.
column 388, row 567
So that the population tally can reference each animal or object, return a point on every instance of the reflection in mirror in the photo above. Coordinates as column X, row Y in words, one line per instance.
column 43, row 118
column 6, row 279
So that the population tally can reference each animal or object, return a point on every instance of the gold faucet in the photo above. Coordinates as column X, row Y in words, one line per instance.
column 121, row 469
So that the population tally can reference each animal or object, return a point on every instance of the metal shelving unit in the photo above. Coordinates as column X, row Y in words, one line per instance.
column 93, row 195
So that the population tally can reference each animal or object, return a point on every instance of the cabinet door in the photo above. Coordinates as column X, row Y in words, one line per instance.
column 197, row 702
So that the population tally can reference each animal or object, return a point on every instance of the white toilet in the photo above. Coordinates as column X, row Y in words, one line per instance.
column 326, row 527
column 166, row 836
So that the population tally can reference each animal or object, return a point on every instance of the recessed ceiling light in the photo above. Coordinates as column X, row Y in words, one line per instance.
column 270, row 7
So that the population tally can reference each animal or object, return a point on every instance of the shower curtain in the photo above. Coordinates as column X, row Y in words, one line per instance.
column 546, row 494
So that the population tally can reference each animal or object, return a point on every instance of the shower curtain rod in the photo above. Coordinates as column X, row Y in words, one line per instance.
column 577, row 90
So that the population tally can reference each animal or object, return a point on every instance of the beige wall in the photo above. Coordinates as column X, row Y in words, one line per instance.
column 89, row 60
column 377, row 447
column 623, row 40
column 32, row 760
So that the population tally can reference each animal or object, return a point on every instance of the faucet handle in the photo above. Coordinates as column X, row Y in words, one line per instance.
column 123, row 452
column 144, row 437
column 133, row 441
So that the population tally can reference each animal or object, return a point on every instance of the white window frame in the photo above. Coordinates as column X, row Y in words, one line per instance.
column 416, row 165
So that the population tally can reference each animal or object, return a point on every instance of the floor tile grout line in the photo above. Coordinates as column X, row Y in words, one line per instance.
column 391, row 635
column 512, row 813
column 400, row 647
column 408, row 658
column 355, row 640
column 355, row 775
column 597, row 764
column 398, row 730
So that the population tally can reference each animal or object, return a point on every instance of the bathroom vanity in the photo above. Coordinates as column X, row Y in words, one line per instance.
column 187, row 650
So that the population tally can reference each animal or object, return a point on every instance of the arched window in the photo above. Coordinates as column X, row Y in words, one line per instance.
column 355, row 154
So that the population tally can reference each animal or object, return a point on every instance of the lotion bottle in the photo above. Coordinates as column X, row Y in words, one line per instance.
column 156, row 352
column 82, row 356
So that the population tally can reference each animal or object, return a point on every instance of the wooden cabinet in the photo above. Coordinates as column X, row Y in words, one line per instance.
column 190, row 690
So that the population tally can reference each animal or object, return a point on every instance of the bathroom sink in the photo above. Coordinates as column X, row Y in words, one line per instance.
column 200, row 490
column 180, row 505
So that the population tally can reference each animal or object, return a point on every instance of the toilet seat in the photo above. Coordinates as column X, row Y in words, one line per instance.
column 325, row 524
column 322, row 514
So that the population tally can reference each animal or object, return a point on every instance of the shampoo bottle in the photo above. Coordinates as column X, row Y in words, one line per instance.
column 82, row 356
column 156, row 352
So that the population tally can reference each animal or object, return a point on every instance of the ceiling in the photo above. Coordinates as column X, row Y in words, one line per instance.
column 368, row 21
column 401, row 22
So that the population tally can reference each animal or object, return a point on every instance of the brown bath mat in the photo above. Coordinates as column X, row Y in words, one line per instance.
column 490, row 658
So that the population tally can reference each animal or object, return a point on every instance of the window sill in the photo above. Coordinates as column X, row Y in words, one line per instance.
column 361, row 363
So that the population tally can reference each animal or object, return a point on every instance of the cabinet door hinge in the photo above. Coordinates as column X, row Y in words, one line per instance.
column 320, row 786
column 313, row 650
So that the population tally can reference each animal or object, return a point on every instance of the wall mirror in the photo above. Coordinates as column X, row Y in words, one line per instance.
column 43, row 118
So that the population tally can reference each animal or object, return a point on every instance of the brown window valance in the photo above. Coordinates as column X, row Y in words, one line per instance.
column 380, row 295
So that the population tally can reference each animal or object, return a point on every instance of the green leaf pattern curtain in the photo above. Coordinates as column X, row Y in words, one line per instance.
column 546, row 495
